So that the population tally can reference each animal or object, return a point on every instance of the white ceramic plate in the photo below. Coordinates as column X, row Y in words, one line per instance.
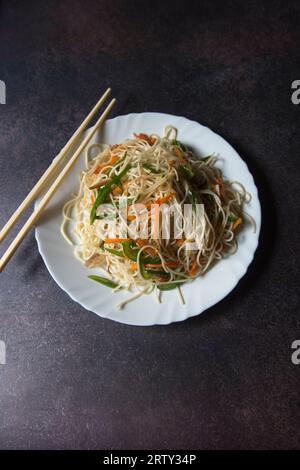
column 199, row 295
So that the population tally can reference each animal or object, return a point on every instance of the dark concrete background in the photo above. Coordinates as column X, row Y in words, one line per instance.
column 221, row 380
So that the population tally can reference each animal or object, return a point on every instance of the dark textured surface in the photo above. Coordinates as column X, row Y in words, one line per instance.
column 223, row 379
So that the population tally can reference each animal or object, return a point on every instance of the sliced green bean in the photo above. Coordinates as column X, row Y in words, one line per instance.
column 169, row 285
column 145, row 274
column 158, row 273
column 104, row 281
column 129, row 251
column 115, row 252
column 103, row 192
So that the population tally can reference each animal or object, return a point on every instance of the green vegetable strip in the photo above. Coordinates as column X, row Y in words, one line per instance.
column 158, row 273
column 132, row 253
column 193, row 197
column 145, row 274
column 128, row 251
column 152, row 260
column 115, row 252
column 188, row 173
column 103, row 192
column 169, row 286
column 232, row 218
column 103, row 280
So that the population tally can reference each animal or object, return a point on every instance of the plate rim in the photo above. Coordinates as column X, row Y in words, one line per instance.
column 237, row 278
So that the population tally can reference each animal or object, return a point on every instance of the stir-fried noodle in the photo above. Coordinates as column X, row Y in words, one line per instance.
column 127, row 186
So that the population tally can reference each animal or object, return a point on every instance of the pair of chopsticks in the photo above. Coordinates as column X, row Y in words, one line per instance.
column 47, row 175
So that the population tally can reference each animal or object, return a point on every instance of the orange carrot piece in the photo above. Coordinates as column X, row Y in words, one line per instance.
column 133, row 267
column 178, row 152
column 161, row 200
column 116, row 240
column 169, row 264
column 117, row 190
column 237, row 223
column 179, row 242
column 193, row 269
column 141, row 242
column 221, row 186
column 149, row 140
column 112, row 161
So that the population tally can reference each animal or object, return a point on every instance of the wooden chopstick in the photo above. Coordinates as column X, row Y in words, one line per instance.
column 46, row 198
column 52, row 168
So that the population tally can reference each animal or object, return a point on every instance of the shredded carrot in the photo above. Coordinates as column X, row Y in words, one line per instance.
column 169, row 264
column 145, row 137
column 161, row 200
column 179, row 242
column 131, row 217
column 92, row 199
column 117, row 190
column 116, row 240
column 141, row 242
column 193, row 269
column 166, row 198
column 177, row 152
column 141, row 136
column 133, row 266
column 237, row 223
column 112, row 161
column 221, row 186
